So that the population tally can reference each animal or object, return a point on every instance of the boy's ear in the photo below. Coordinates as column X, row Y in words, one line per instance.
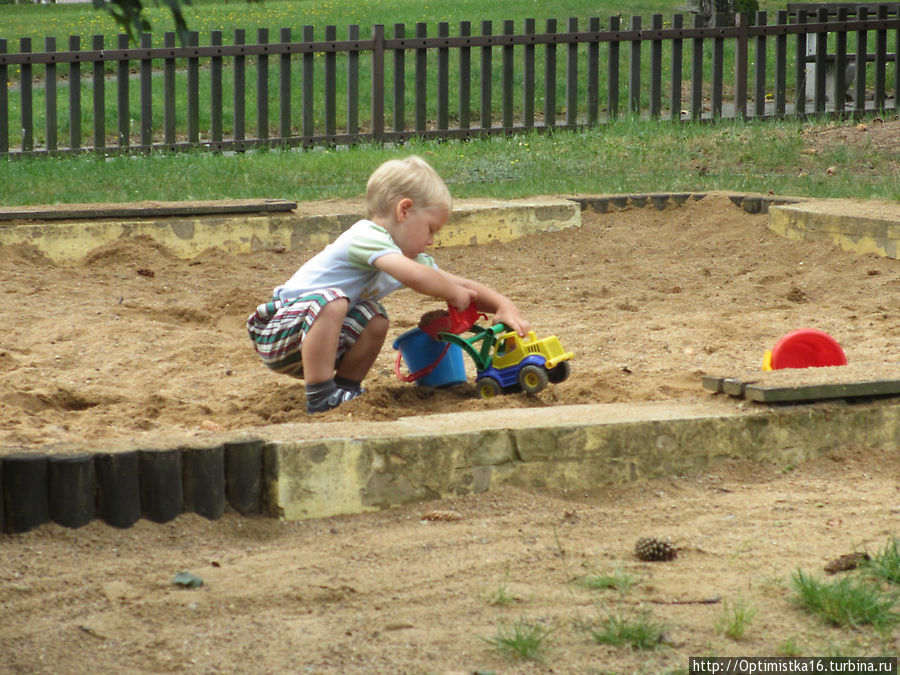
column 402, row 209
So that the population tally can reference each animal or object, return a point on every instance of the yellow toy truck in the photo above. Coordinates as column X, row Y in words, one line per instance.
column 507, row 362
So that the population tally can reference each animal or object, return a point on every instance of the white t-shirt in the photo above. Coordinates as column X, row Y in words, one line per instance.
column 347, row 263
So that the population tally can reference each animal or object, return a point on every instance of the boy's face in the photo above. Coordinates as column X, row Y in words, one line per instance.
column 417, row 227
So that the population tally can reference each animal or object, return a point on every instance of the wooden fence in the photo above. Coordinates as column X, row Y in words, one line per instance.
column 328, row 92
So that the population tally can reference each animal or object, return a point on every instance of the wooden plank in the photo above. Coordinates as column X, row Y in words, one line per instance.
column 733, row 387
column 713, row 383
column 764, row 394
column 145, row 209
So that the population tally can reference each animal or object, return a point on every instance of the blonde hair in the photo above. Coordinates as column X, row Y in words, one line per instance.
column 409, row 178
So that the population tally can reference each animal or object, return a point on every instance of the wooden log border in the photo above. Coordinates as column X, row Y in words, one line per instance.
column 72, row 489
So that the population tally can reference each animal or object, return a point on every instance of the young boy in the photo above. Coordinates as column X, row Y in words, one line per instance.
column 325, row 323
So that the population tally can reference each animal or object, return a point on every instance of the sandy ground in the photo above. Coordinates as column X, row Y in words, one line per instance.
column 132, row 344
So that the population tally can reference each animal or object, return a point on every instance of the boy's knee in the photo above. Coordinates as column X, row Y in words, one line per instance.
column 378, row 326
column 335, row 309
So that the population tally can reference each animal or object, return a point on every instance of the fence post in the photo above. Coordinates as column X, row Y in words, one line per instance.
column 74, row 95
column 880, row 60
column 26, row 86
column 550, row 79
column 169, row 92
column 487, row 29
column 99, row 97
column 146, row 70
column 862, row 49
column 262, row 86
column 656, row 23
column 677, row 65
column 421, row 96
column 718, row 65
column 378, row 83
column 240, row 82
column 840, row 62
column 634, row 70
column 443, row 77
column 122, row 97
column 399, row 98
column 697, row 71
column 353, row 82
column 284, row 89
column 572, row 76
column 759, row 72
column 4, row 103
column 215, row 89
column 820, row 71
column 509, row 28
column 50, row 98
column 528, row 89
column 741, row 65
column 879, row 100
column 307, row 121
column 193, row 90
column 612, row 74
column 781, row 19
column 593, row 68
column 330, row 91
column 800, row 61
column 465, row 75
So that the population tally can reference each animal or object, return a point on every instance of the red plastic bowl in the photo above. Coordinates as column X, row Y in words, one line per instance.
column 807, row 348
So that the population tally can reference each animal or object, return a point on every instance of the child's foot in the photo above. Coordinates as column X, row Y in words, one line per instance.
column 321, row 397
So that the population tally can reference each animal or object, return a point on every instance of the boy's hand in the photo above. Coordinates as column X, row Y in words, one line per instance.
column 509, row 314
column 462, row 298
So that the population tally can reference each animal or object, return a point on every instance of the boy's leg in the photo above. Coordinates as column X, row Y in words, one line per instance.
column 358, row 360
column 321, row 342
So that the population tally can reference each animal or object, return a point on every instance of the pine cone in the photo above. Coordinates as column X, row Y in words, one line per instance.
column 847, row 562
column 651, row 549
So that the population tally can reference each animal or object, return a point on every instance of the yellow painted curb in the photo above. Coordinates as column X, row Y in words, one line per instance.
column 858, row 226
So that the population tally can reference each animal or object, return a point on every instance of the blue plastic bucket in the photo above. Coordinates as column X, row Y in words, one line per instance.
column 432, row 363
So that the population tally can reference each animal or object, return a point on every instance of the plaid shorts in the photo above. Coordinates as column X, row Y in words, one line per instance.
column 278, row 328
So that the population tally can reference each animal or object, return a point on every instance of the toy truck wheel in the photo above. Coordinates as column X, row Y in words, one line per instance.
column 533, row 379
column 559, row 373
column 488, row 387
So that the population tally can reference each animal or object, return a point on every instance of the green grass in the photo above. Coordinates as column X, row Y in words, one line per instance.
column 500, row 596
column 846, row 602
column 885, row 564
column 615, row 581
column 37, row 21
column 521, row 639
column 735, row 619
column 640, row 632
column 60, row 21
column 627, row 156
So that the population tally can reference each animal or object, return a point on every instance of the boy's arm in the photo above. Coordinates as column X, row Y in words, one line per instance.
column 492, row 302
column 426, row 280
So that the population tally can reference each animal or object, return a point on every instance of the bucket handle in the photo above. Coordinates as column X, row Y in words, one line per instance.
column 422, row 372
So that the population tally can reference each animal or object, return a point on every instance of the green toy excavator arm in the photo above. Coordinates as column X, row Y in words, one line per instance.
column 487, row 337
